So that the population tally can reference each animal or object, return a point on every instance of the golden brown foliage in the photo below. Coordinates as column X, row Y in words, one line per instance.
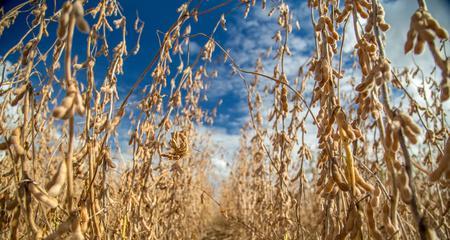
column 380, row 171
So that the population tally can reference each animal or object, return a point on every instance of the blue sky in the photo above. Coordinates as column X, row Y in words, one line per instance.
column 157, row 18
column 247, row 38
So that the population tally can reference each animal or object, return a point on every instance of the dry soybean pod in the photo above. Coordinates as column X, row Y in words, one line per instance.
column 15, row 141
column 339, row 179
column 55, row 186
column 443, row 165
column 41, row 195
column 363, row 183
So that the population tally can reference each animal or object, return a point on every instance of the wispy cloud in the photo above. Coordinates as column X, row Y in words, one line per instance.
column 11, row 113
column 398, row 14
column 247, row 40
column 252, row 37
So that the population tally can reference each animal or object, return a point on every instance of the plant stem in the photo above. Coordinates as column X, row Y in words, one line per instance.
column 68, row 75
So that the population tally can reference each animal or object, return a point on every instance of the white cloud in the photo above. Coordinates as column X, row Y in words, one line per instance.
column 398, row 14
column 11, row 114
column 250, row 38
column 253, row 36
column 225, row 144
column 194, row 48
